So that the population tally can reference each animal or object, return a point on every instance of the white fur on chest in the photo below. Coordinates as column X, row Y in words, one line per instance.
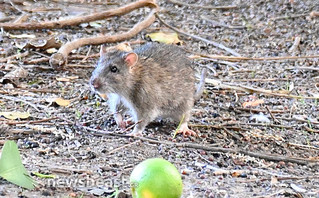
column 115, row 100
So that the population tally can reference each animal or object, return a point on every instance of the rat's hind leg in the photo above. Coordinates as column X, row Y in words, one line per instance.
column 184, row 125
column 142, row 122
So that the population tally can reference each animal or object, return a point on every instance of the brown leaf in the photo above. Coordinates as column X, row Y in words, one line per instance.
column 14, row 76
column 62, row 102
column 165, row 37
column 253, row 103
column 15, row 115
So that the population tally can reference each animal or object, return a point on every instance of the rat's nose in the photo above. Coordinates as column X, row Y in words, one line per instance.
column 96, row 83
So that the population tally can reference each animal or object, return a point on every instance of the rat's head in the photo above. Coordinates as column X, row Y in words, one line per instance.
column 114, row 71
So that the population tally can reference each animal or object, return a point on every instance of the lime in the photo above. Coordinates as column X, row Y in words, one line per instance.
column 156, row 178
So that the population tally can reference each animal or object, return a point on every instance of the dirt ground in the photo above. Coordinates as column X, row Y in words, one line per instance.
column 270, row 149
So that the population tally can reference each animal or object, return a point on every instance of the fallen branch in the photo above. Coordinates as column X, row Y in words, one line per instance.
column 221, row 46
column 78, row 20
column 269, row 157
column 59, row 59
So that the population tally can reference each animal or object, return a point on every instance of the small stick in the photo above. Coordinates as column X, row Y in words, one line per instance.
column 289, row 17
column 20, row 100
column 221, row 46
column 303, row 68
column 241, row 58
column 220, row 84
column 216, row 23
column 31, row 122
column 270, row 157
column 272, row 115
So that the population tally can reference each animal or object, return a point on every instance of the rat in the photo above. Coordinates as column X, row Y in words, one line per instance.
column 152, row 81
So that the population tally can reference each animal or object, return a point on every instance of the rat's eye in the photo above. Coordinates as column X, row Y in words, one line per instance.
column 113, row 68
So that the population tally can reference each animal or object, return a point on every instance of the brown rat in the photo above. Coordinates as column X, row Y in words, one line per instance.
column 152, row 81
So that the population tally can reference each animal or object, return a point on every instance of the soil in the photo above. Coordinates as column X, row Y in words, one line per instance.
column 241, row 151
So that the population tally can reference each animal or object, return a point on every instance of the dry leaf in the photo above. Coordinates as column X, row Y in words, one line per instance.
column 103, row 96
column 62, row 102
column 283, row 91
column 235, row 174
column 40, row 43
column 15, row 115
column 253, row 103
column 124, row 47
column 164, row 37
column 14, row 76
column 51, row 50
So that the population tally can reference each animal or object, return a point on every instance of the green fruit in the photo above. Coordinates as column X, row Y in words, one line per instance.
column 156, row 178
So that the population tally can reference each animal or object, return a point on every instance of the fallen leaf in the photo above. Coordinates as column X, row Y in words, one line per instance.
column 165, row 37
column 15, row 115
column 235, row 174
column 103, row 96
column 95, row 24
column 11, row 167
column 51, row 50
column 253, row 103
column 124, row 47
column 40, row 43
column 62, row 102
column 14, row 76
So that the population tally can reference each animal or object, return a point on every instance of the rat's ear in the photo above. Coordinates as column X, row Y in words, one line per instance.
column 131, row 59
column 102, row 50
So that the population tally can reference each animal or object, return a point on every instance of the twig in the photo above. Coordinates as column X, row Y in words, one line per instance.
column 20, row 100
column 241, row 58
column 31, row 122
column 311, row 130
column 221, row 46
column 257, row 80
column 289, row 17
column 121, row 147
column 248, row 89
column 272, row 115
column 203, row 7
column 78, row 20
column 59, row 59
column 303, row 68
column 260, row 110
column 18, row 55
column 15, row 7
column 216, row 23
column 269, row 157
column 30, row 90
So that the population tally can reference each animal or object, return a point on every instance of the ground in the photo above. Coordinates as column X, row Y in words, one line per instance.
column 242, row 150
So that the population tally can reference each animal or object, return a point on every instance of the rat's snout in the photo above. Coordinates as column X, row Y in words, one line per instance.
column 96, row 83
